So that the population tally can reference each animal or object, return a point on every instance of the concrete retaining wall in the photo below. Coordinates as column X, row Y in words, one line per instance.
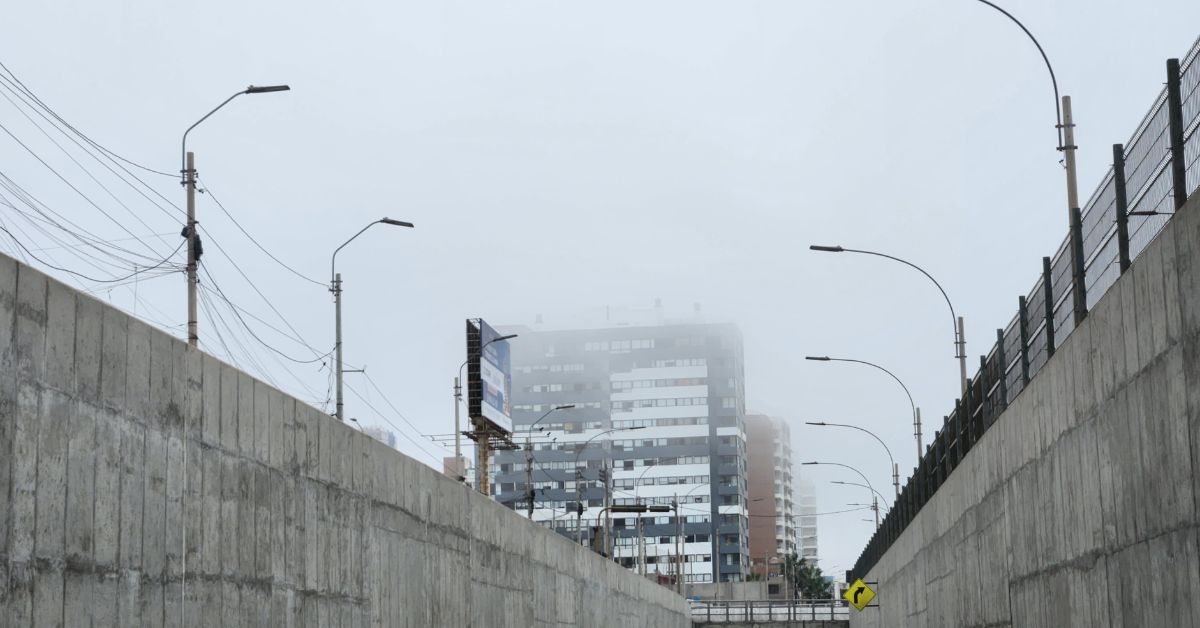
column 1079, row 507
column 124, row 457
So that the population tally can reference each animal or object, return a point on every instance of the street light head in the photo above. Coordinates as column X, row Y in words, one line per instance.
column 809, row 463
column 266, row 88
column 826, row 249
column 509, row 337
column 566, row 407
column 815, row 423
column 398, row 223
column 836, row 482
column 640, row 427
column 817, row 358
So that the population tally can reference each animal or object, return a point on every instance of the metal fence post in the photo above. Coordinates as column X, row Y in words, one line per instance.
column 1002, row 363
column 1023, row 318
column 1175, row 121
column 1079, row 287
column 1122, row 198
column 1048, row 289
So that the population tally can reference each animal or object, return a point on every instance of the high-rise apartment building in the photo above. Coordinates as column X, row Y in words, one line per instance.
column 806, row 531
column 658, row 418
column 769, row 489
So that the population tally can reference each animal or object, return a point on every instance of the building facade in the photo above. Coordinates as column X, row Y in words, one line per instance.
column 806, row 529
column 658, row 419
column 770, row 490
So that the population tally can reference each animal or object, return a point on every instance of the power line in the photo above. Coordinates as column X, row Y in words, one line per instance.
column 254, row 287
column 393, row 406
column 51, row 217
column 83, row 168
column 246, row 325
column 78, row 274
column 13, row 77
column 72, row 186
column 208, row 190
column 434, row 456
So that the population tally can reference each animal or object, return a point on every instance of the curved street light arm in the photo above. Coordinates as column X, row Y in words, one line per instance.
column 885, row 501
column 333, row 259
column 1053, row 80
column 891, row 374
column 953, row 316
column 529, row 430
column 846, row 466
column 183, row 151
column 862, row 429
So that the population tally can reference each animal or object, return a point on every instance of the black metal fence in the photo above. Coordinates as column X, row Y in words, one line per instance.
column 1151, row 177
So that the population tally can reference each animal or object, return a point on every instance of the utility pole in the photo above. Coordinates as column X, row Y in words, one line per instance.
column 335, row 287
column 608, row 501
column 483, row 455
column 678, row 547
column 641, row 546
column 459, row 472
column 189, row 177
column 529, row 476
column 875, row 507
column 1079, row 291
column 920, row 445
column 337, row 343
column 962, row 355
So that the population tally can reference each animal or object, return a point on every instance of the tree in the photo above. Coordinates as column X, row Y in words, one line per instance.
column 807, row 581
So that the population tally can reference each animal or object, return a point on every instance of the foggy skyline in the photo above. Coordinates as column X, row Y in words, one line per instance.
column 561, row 159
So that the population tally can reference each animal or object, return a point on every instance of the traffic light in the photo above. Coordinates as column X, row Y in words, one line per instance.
column 579, row 508
column 603, row 476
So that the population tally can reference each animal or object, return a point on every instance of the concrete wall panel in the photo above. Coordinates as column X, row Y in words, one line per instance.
column 151, row 485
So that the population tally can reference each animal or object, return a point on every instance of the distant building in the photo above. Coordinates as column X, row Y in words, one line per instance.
column 769, row 489
column 681, row 387
column 806, row 507
column 386, row 437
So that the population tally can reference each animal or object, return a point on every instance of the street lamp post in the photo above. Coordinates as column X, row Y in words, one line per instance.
column 458, row 460
column 915, row 410
column 335, row 286
column 529, row 456
column 188, row 180
column 579, row 478
column 1065, row 125
column 960, row 338
column 895, row 467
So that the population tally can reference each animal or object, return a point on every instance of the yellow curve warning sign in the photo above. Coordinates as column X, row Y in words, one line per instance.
column 859, row 594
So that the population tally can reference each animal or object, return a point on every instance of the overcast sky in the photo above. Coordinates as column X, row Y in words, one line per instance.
column 558, row 157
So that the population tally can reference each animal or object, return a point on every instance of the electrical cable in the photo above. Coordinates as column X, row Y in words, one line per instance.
column 84, row 169
column 207, row 190
column 396, row 410
column 432, row 455
column 48, row 215
column 87, row 139
column 106, row 153
column 78, row 274
column 237, row 314
column 254, row 287
column 78, row 191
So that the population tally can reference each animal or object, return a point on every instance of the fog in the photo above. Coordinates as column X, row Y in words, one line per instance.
column 557, row 158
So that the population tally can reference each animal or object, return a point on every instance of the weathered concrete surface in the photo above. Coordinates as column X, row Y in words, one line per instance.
column 148, row 485
column 1079, row 507
column 774, row 624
